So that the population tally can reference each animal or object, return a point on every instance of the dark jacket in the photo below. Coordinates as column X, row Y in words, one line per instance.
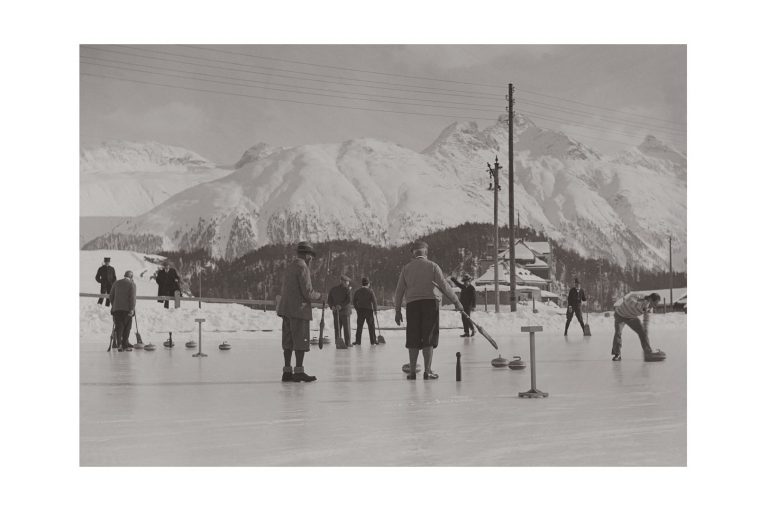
column 575, row 297
column 106, row 277
column 340, row 296
column 467, row 296
column 364, row 299
column 167, row 282
column 296, row 293
column 123, row 295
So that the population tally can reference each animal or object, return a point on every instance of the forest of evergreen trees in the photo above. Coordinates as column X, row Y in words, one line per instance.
column 257, row 274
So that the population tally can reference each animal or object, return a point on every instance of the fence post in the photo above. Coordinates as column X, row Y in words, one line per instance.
column 177, row 299
column 486, row 299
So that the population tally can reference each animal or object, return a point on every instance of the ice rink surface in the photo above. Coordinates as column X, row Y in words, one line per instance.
column 167, row 408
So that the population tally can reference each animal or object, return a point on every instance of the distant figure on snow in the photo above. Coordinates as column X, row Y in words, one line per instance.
column 295, row 308
column 168, row 282
column 627, row 311
column 123, row 297
column 106, row 277
column 416, row 287
column 365, row 306
column 340, row 301
column 575, row 297
column 467, row 298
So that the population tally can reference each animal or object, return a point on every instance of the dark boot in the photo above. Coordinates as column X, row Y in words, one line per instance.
column 300, row 376
column 430, row 375
column 287, row 374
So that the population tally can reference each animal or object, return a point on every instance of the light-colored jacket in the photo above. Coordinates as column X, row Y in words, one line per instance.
column 297, row 293
column 123, row 295
column 417, row 282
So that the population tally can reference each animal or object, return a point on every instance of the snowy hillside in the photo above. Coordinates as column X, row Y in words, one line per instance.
column 620, row 207
column 121, row 178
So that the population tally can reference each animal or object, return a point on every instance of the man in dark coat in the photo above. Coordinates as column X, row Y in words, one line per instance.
column 295, row 308
column 123, row 297
column 467, row 299
column 168, row 282
column 106, row 277
column 365, row 306
column 340, row 302
column 575, row 297
column 419, row 286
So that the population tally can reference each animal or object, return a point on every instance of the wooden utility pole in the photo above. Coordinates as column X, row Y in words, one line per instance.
column 512, row 267
column 494, row 172
column 670, row 270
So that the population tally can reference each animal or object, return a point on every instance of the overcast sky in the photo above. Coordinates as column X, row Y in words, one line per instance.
column 608, row 97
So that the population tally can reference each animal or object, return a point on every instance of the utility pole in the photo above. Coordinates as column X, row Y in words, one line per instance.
column 494, row 172
column 512, row 266
column 670, row 271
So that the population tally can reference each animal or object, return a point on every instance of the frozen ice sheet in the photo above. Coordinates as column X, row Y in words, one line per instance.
column 167, row 408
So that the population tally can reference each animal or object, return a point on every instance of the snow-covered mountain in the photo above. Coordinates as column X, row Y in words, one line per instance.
column 120, row 178
column 620, row 207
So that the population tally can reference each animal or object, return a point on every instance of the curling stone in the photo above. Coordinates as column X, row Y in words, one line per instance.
column 168, row 344
column 314, row 341
column 149, row 347
column 407, row 368
column 516, row 364
column 139, row 346
column 499, row 362
column 225, row 346
column 190, row 344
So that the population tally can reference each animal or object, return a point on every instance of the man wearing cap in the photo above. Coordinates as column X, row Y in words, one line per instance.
column 168, row 282
column 340, row 302
column 419, row 286
column 295, row 308
column 106, row 277
column 575, row 298
column 365, row 306
column 467, row 299
column 123, row 297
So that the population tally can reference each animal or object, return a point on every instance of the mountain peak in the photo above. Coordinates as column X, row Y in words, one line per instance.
column 655, row 148
column 255, row 152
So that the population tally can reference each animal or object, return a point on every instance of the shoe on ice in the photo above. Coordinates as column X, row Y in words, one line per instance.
column 411, row 376
column 656, row 355
column 465, row 335
column 616, row 357
column 473, row 333
column 128, row 348
column 287, row 374
column 300, row 376
column 430, row 375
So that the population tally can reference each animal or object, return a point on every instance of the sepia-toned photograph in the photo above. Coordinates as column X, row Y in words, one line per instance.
column 383, row 255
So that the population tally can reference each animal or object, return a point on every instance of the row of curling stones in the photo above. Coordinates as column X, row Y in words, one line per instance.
column 190, row 344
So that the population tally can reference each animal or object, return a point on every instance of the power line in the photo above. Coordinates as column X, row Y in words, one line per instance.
column 336, row 67
column 442, row 102
column 556, row 108
column 282, row 99
column 419, row 78
column 225, row 82
column 424, row 88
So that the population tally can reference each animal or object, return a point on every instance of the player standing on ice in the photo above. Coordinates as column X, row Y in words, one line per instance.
column 365, row 306
column 340, row 301
column 168, row 282
column 575, row 297
column 416, row 286
column 123, row 297
column 106, row 277
column 467, row 297
column 295, row 308
column 627, row 311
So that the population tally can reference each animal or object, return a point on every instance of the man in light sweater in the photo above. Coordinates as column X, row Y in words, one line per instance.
column 122, row 295
column 627, row 311
column 416, row 287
